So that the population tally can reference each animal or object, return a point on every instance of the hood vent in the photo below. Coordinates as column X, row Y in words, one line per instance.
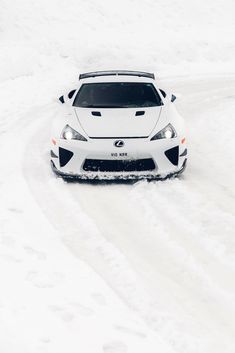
column 96, row 113
column 140, row 112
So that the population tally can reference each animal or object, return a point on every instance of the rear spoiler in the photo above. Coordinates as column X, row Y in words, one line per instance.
column 117, row 73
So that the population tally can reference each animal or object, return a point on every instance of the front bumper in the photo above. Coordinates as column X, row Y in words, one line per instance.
column 113, row 176
column 69, row 159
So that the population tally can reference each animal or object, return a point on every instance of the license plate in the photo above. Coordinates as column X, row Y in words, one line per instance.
column 121, row 154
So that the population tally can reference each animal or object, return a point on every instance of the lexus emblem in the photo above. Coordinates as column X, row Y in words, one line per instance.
column 119, row 143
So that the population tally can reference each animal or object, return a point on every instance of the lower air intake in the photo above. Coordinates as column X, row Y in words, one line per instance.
column 173, row 155
column 64, row 156
column 104, row 165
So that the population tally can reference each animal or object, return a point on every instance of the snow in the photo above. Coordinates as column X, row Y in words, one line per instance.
column 117, row 268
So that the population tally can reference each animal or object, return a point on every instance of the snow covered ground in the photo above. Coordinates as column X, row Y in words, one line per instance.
column 117, row 268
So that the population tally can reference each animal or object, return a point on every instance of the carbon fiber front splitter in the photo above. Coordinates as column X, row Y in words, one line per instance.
column 129, row 177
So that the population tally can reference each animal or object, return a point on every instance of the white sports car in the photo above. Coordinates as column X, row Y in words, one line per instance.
column 118, row 124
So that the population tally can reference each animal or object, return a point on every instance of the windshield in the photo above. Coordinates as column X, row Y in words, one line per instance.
column 117, row 95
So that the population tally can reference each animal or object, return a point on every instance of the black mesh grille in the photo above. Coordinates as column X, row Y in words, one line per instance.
column 104, row 165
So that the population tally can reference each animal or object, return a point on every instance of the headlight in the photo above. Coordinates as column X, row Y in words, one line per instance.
column 167, row 133
column 70, row 134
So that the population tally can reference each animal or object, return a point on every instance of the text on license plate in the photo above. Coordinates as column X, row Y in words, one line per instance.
column 122, row 154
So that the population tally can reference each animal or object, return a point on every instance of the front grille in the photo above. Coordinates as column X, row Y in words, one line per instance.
column 105, row 165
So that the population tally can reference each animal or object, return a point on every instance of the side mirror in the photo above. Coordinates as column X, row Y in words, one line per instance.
column 62, row 99
column 173, row 98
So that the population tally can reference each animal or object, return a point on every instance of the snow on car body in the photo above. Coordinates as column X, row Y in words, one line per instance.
column 118, row 124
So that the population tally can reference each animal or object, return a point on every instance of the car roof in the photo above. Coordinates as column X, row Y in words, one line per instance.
column 117, row 76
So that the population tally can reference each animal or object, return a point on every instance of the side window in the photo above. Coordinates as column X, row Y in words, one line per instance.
column 71, row 93
column 163, row 93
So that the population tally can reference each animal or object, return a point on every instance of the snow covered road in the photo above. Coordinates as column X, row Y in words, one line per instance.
column 166, row 248
column 117, row 268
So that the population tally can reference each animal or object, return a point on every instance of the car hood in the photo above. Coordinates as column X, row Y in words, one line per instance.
column 118, row 122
